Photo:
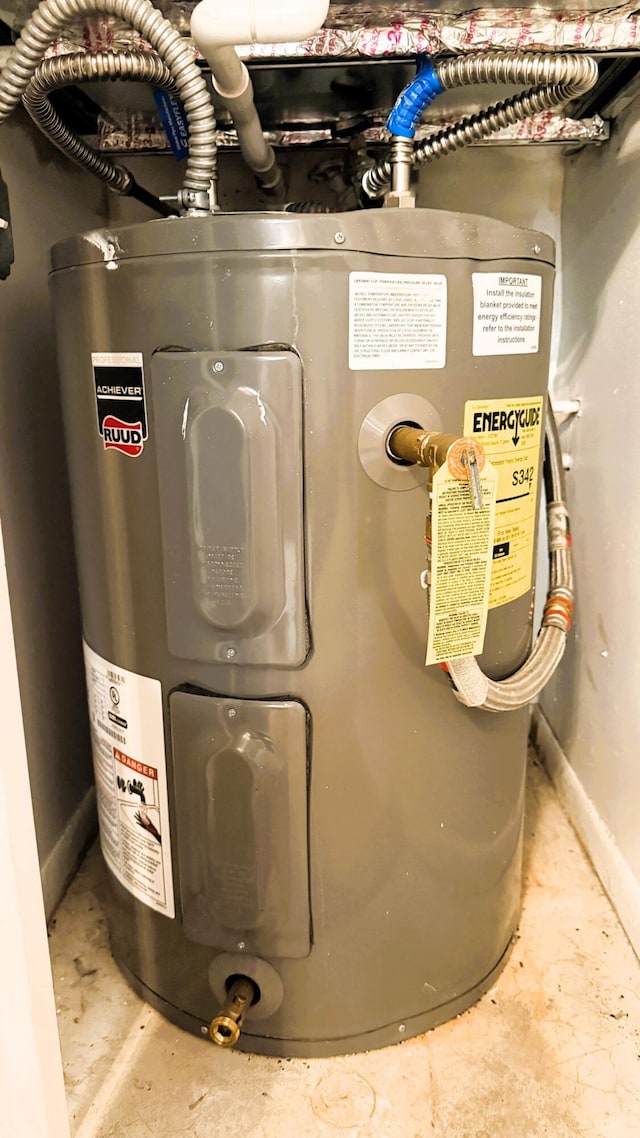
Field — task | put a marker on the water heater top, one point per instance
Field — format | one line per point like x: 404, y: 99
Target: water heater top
x: 400, y: 233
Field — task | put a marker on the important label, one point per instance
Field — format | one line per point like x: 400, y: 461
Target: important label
x: 127, y: 738
x: 462, y: 544
x: 510, y: 432
x: 397, y: 320
x: 120, y: 401
x: 506, y: 313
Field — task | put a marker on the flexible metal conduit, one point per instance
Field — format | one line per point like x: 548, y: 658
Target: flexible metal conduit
x: 51, y: 16
x: 473, y: 687
x: 51, y: 74
x: 556, y: 79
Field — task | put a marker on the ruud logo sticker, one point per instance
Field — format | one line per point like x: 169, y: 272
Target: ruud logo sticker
x: 120, y: 401
x: 126, y: 437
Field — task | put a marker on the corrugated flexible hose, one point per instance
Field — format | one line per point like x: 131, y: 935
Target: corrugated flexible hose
x: 51, y: 74
x: 51, y: 16
x: 473, y: 687
x: 555, y: 79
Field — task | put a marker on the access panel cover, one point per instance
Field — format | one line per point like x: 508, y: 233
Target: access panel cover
x: 240, y: 774
x: 229, y: 447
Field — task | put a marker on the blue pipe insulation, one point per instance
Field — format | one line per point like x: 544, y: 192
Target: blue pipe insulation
x: 416, y: 97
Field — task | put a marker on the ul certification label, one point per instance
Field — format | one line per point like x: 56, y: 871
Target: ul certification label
x: 127, y: 737
x: 462, y: 541
x: 506, y: 314
x: 397, y: 320
x: 510, y: 432
x: 120, y: 401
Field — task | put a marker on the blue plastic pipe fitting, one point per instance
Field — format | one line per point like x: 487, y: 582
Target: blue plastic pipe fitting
x: 413, y: 101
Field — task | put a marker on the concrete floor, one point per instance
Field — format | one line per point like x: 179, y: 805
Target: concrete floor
x: 553, y: 1049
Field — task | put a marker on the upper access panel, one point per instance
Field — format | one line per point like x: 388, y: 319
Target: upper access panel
x: 229, y: 447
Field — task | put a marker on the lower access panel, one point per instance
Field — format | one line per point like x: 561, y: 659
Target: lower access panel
x: 240, y: 774
x: 229, y: 451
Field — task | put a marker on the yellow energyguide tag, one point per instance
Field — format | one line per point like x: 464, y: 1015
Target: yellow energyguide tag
x: 510, y: 432
x: 461, y: 552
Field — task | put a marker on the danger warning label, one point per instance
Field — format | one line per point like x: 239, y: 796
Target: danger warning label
x: 510, y: 432
x: 127, y: 738
x: 133, y: 764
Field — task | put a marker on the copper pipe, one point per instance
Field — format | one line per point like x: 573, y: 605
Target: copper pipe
x: 424, y: 448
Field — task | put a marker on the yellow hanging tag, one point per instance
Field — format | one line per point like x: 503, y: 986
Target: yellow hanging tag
x: 461, y: 558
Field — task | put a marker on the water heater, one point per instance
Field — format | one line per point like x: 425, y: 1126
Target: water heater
x: 288, y: 797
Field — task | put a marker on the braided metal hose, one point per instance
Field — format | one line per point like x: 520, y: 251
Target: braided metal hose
x: 59, y: 72
x: 476, y: 127
x: 577, y: 73
x: 557, y: 79
x: 473, y: 687
x: 51, y: 16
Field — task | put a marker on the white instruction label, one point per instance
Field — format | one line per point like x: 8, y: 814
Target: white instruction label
x: 397, y: 320
x: 127, y: 736
x: 506, y: 313
x: 462, y: 542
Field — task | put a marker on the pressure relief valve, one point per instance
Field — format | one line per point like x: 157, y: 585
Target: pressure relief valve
x: 464, y: 457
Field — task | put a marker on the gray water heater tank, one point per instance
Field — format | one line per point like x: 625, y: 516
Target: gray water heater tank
x: 285, y: 792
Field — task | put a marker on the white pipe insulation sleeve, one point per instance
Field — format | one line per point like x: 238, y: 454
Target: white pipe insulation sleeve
x: 218, y: 23
x: 229, y: 75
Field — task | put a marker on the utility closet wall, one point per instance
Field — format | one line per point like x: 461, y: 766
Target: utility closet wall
x: 519, y: 184
x: 50, y: 199
x: 592, y: 704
